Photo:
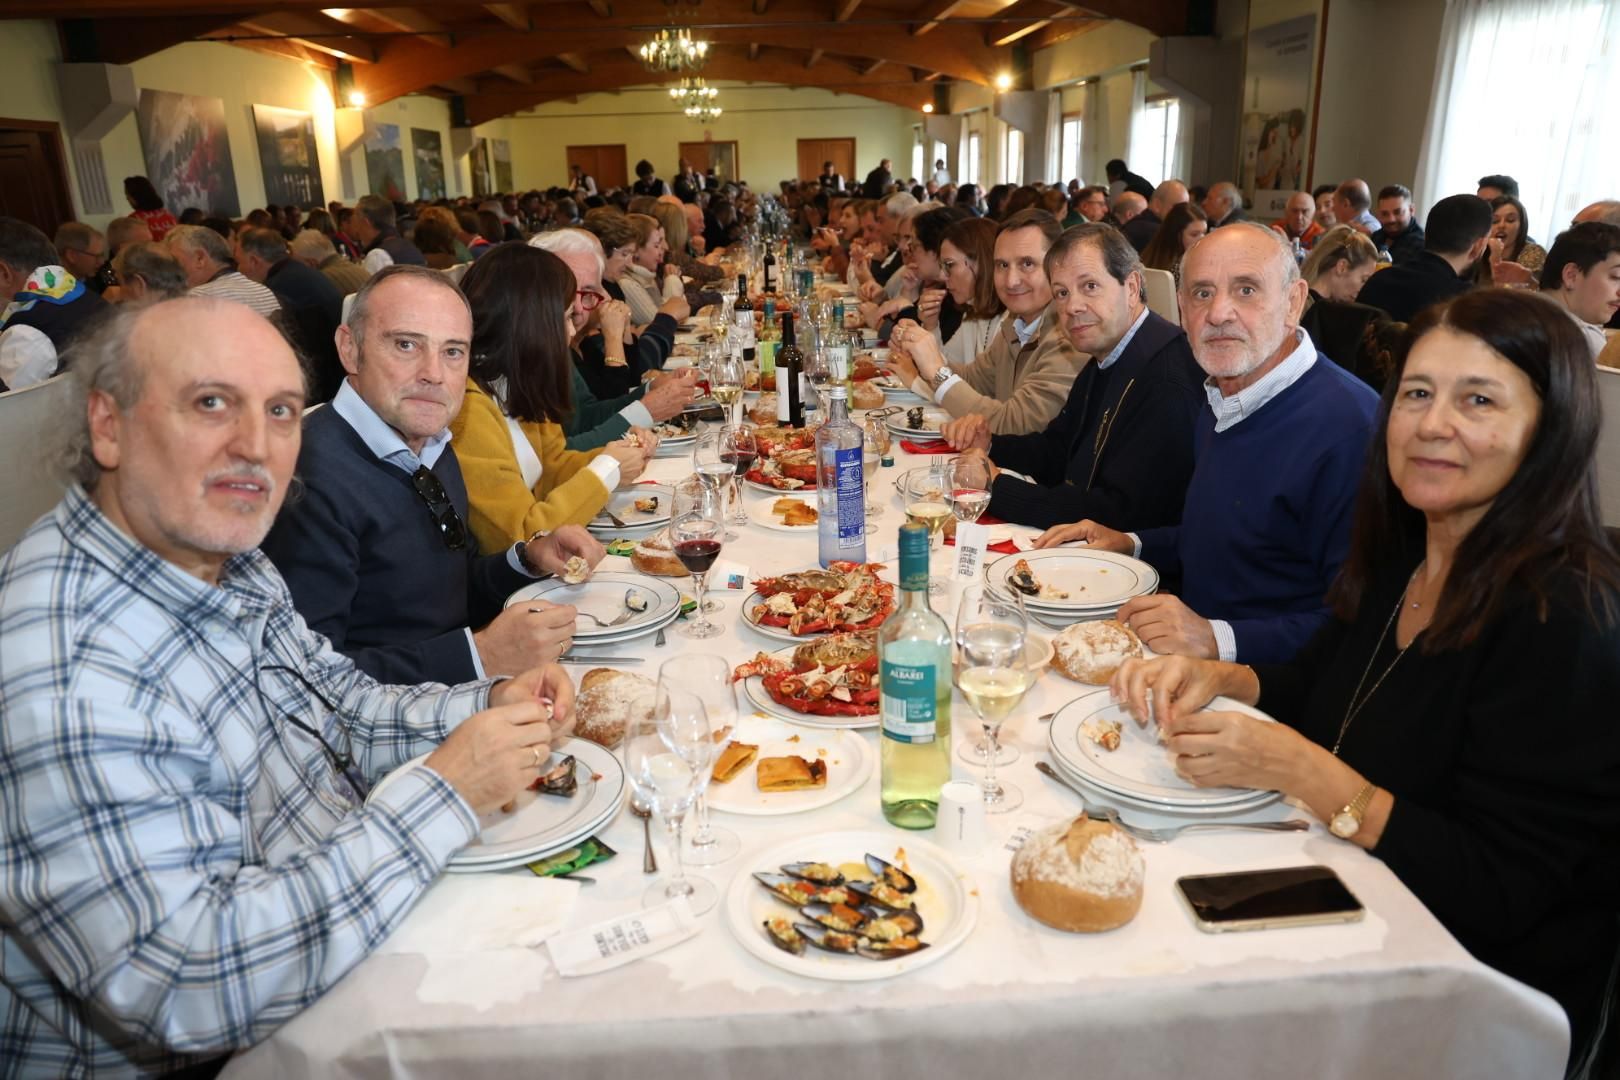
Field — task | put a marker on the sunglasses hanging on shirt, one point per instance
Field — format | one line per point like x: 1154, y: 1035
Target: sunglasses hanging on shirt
x: 431, y: 491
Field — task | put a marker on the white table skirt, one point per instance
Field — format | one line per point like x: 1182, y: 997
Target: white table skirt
x: 1393, y: 996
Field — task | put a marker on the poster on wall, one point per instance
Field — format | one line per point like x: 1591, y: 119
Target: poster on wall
x: 287, y: 158
x: 188, y: 154
x: 385, y: 162
x: 483, y: 182
x: 503, y: 166
x: 1276, y: 112
x: 428, y: 151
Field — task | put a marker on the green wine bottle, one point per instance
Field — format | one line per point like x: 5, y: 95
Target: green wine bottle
x: 914, y: 694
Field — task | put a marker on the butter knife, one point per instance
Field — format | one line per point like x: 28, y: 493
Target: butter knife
x: 570, y: 658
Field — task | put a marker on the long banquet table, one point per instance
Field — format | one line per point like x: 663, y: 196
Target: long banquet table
x: 1391, y: 996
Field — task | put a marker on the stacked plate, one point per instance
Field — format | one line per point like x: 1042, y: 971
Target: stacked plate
x: 625, y: 606
x: 540, y: 826
x: 1141, y: 773
x: 1097, y: 582
x: 622, y: 505
x: 933, y: 420
x: 761, y: 700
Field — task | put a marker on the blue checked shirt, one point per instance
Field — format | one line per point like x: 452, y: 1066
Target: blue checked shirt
x: 181, y: 869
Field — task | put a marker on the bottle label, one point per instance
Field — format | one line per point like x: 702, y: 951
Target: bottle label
x: 838, y: 361
x: 766, y: 351
x: 907, y: 693
x: 851, y: 498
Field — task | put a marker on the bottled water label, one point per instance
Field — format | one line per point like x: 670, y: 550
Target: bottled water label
x: 851, y: 498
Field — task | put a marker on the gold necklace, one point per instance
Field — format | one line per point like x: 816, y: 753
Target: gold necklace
x: 1354, y: 708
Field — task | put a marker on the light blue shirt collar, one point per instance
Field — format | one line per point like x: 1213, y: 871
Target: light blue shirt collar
x: 381, y: 439
x: 1118, y: 350
x: 1027, y: 330
x: 1230, y: 411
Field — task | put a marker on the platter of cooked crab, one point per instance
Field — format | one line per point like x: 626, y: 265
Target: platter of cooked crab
x: 852, y: 906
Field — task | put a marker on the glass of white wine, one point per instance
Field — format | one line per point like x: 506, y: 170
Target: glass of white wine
x: 726, y: 383
x: 969, y: 487
x: 994, y: 675
x: 926, y: 491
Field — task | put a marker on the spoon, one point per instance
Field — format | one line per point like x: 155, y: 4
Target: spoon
x: 649, y: 862
x: 634, y: 604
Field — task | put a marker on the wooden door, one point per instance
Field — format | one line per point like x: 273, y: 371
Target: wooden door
x: 606, y: 164
x: 33, y: 174
x: 719, y: 156
x: 841, y: 152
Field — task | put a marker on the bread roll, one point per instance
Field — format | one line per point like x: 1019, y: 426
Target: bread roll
x: 1083, y: 876
x: 656, y: 555
x: 763, y: 411
x: 866, y: 396
x: 607, y: 701
x: 1090, y: 652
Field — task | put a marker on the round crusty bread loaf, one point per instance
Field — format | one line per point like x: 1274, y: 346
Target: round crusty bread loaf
x: 1083, y: 876
x: 1091, y: 652
x: 866, y: 396
x: 656, y: 555
x: 607, y: 701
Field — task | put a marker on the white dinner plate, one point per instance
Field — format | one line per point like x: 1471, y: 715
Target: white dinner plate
x: 947, y: 898
x: 897, y: 424
x: 623, y: 505
x: 1094, y: 580
x: 602, y: 595
x: 781, y: 633
x: 760, y: 699
x: 1141, y: 768
x: 761, y: 514
x: 540, y: 825
x: 768, y: 490
x: 849, y: 766
x: 1164, y: 813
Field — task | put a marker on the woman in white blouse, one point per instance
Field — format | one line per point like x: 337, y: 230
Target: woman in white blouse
x: 643, y: 290
x: 966, y: 261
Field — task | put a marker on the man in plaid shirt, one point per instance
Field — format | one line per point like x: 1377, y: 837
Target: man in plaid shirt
x: 185, y: 860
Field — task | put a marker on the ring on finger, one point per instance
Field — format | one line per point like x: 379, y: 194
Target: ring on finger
x: 539, y: 759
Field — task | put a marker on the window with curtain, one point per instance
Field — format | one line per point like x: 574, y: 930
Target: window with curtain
x: 1555, y: 134
x: 939, y: 154
x: 1153, y: 149
x: 970, y: 167
x: 917, y: 170
x: 1014, y: 156
x: 1069, y: 153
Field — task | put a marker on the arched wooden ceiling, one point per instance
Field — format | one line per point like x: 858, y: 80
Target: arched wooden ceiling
x: 503, y: 58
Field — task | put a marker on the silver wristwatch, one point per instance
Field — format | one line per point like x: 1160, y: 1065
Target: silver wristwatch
x: 941, y: 376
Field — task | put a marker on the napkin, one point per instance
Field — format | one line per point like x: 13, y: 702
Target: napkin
x: 626, y: 939
x: 940, y: 447
x: 472, y: 913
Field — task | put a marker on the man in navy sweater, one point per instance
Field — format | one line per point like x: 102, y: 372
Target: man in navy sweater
x: 1279, y: 461
x: 375, y: 550
x: 1121, y: 450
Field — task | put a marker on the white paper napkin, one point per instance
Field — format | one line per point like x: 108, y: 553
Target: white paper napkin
x: 472, y: 913
x: 623, y: 940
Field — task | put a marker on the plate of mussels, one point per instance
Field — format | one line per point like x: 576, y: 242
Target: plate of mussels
x: 852, y: 906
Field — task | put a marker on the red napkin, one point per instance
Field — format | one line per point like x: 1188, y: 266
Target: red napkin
x: 940, y: 447
x: 1006, y: 547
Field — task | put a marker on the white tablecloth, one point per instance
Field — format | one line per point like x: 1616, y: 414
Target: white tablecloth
x: 1393, y: 996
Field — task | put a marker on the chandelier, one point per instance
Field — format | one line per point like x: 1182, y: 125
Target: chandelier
x: 693, y: 92
x: 672, y: 51
x: 704, y: 111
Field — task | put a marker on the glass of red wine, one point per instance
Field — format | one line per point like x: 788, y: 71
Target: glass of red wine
x: 739, y: 447
x: 699, y: 534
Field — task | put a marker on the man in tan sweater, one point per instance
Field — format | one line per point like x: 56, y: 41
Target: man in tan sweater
x: 1018, y: 384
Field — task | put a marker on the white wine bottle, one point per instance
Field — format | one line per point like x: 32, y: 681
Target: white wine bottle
x: 914, y: 694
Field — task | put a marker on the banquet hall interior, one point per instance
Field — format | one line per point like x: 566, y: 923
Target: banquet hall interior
x: 730, y: 537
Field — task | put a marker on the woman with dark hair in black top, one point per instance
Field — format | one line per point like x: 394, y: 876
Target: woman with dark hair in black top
x: 1456, y: 719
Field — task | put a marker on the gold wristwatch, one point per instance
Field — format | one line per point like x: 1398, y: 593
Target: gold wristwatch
x: 1347, y: 822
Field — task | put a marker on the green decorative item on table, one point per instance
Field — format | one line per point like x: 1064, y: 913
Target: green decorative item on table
x: 688, y: 605
x: 574, y: 859
x: 622, y: 547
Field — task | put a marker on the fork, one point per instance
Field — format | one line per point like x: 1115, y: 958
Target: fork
x: 1164, y: 836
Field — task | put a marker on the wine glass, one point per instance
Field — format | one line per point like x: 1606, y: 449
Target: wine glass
x: 726, y: 382
x: 969, y: 487
x: 712, y: 467
x: 738, y: 446
x: 871, y: 461
x: 708, y: 676
x: 668, y: 754
x: 925, y: 490
x: 994, y: 675
x: 695, y: 493
x: 698, y: 535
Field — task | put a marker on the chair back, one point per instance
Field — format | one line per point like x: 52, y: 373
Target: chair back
x: 1161, y: 294
x: 30, y: 420
x: 1608, y: 451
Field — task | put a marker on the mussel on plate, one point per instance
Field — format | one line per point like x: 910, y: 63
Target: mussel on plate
x: 837, y: 916
x: 819, y: 872
x: 562, y: 780
x: 835, y: 941
x: 881, y: 925
x: 784, y: 936
x: 882, y: 895
x: 891, y: 875
x: 873, y: 949
x: 797, y: 892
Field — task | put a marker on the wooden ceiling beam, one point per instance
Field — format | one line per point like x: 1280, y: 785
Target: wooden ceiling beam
x: 603, y: 9
x: 873, y: 66
x: 575, y: 61
x: 514, y: 15
x: 516, y: 72
x: 760, y: 6
x: 815, y: 57
x: 1062, y: 31
x: 313, y: 31
x: 403, y: 18
x: 935, y: 13
x: 464, y: 87
x: 283, y: 49
x: 843, y: 9
x: 1023, y: 18
x: 753, y: 50
x: 124, y: 41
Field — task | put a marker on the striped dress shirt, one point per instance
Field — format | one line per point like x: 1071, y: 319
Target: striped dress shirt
x: 182, y: 869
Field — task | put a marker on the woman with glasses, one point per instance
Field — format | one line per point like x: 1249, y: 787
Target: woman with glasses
x: 966, y: 262
x: 521, y: 477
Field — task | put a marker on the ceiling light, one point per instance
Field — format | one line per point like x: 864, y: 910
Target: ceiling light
x: 704, y: 111
x: 928, y: 106
x: 1004, y: 81
x: 357, y: 99
x: 692, y: 92
x: 673, y: 51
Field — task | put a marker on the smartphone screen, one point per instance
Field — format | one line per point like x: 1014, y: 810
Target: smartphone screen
x: 1293, y: 894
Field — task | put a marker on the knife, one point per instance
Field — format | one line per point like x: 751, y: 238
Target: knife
x: 569, y: 658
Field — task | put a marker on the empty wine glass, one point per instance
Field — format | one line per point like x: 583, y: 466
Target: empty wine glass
x: 668, y: 754
x: 738, y: 446
x: 871, y: 461
x: 707, y: 676
x: 993, y: 675
x: 712, y: 467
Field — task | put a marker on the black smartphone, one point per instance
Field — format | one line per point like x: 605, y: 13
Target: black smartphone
x: 1262, y: 899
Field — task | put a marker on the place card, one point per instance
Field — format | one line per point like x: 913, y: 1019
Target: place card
x: 971, y: 542
x: 624, y: 940
x: 725, y: 574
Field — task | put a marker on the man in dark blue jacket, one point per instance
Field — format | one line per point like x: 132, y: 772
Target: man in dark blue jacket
x: 311, y: 304
x: 375, y: 550
x: 1279, y: 459
x: 1121, y: 450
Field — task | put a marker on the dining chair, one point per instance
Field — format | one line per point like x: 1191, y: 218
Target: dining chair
x: 30, y: 422
x: 1161, y: 294
x: 1608, y: 451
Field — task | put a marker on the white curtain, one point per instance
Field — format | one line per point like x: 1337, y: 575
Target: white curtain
x: 1527, y: 88
x: 1138, y: 104
x: 1053, y: 170
x: 1091, y: 158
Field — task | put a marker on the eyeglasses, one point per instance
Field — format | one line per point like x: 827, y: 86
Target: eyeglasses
x: 342, y: 763
x: 589, y: 300
x: 432, y: 492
